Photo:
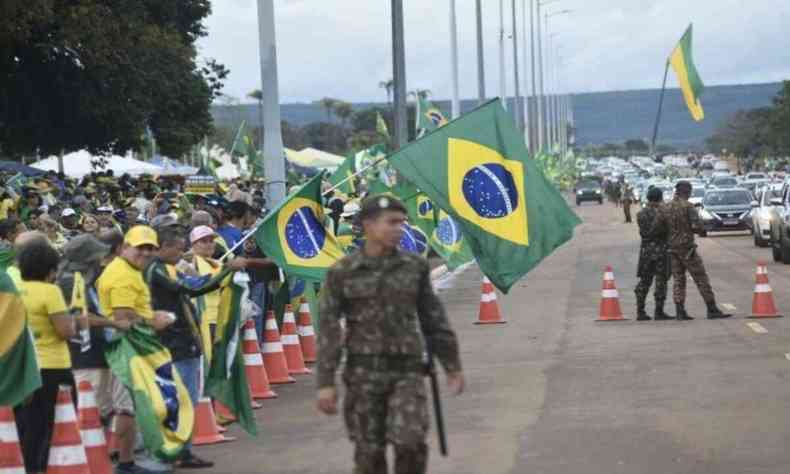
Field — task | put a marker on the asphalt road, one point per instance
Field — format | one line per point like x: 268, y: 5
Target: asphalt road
x: 554, y: 392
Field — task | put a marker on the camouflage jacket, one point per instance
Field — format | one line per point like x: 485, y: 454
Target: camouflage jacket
x: 654, y: 230
x: 383, y: 300
x: 684, y: 222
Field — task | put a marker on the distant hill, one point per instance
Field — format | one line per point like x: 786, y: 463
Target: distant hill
x: 601, y: 117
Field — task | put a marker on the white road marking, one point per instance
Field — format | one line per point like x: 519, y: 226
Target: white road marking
x: 729, y: 307
x: 757, y: 327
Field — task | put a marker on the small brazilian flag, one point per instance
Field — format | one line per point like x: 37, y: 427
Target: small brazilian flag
x: 18, y: 363
x: 429, y: 117
x: 690, y: 83
x: 164, y: 411
x: 294, y: 236
x: 478, y: 170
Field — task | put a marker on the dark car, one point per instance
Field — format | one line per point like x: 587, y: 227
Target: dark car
x: 589, y: 191
x: 726, y: 210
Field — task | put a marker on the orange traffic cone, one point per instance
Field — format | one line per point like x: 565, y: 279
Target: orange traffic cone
x: 66, y: 452
x: 306, y: 333
x: 291, y: 346
x: 763, y: 301
x: 489, y: 309
x: 253, y: 364
x: 206, y: 430
x: 609, y: 309
x: 273, y: 355
x: 10, y: 453
x: 91, y: 430
x: 223, y: 414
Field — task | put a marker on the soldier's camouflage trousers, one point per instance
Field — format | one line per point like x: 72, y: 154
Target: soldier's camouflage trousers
x: 682, y: 262
x: 381, y: 407
x: 651, y: 271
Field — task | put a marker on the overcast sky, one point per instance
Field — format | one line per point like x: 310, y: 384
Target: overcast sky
x: 342, y: 48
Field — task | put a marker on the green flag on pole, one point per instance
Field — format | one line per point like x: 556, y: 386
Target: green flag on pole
x: 342, y: 179
x: 478, y: 170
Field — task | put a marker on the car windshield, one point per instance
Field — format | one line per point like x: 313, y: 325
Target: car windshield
x: 727, y: 198
x: 698, y: 192
x: 756, y: 176
x: 725, y: 182
x: 588, y: 185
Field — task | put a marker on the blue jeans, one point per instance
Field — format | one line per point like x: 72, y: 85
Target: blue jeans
x: 189, y: 370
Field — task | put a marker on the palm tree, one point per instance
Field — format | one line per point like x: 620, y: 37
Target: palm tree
x: 343, y: 111
x: 388, y: 86
x: 420, y: 93
x: 257, y: 94
x: 329, y: 104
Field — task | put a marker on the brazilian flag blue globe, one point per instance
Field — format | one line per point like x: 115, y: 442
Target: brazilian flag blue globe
x: 478, y: 170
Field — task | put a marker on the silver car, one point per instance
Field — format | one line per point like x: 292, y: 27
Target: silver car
x: 766, y: 198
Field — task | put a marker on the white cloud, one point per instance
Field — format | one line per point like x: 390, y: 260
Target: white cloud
x: 342, y: 48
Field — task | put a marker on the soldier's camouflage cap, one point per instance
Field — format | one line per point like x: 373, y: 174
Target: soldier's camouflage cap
x: 372, y: 206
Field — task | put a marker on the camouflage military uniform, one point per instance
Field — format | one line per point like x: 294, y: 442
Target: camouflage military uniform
x: 684, y: 222
x: 653, y: 255
x: 383, y: 300
x: 627, y: 197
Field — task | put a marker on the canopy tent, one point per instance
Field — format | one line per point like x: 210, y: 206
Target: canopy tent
x: 15, y: 167
x: 313, y: 158
x: 172, y: 167
x: 80, y: 163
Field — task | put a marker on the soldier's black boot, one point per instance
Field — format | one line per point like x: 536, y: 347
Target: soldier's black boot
x: 715, y: 313
x: 682, y: 315
x: 660, y: 315
x: 641, y: 314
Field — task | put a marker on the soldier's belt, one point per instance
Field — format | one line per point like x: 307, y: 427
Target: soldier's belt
x: 386, y: 363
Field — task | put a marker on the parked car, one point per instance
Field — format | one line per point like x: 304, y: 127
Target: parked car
x: 589, y: 191
x: 726, y: 210
x: 762, y: 216
x: 780, y: 220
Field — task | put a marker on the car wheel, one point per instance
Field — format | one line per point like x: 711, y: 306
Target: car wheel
x: 758, y: 242
x: 784, y: 251
x: 600, y: 202
x: 776, y: 254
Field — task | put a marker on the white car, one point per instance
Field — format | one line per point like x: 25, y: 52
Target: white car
x: 763, y: 213
x: 697, y: 195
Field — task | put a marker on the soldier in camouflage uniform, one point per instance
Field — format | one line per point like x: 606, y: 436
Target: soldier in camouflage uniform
x: 653, y: 256
x: 627, y: 193
x: 684, y: 222
x: 384, y: 295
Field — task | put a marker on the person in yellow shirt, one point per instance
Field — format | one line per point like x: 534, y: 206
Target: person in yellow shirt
x: 203, y: 240
x: 7, y: 204
x: 124, y: 296
x: 52, y: 326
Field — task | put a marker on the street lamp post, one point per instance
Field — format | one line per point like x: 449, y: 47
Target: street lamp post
x: 399, y: 74
x: 456, y: 102
x: 551, y: 105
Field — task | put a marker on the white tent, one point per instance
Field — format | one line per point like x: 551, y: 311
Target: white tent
x: 81, y: 163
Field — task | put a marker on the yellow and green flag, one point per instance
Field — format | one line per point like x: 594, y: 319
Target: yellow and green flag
x: 18, y: 363
x: 164, y: 411
x: 342, y: 179
x: 682, y: 62
x: 294, y: 236
x: 478, y: 170
x: 428, y: 117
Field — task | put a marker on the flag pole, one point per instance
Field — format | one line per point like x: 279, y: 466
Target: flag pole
x: 658, y: 115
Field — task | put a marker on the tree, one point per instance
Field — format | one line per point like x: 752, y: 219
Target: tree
x: 637, y: 145
x: 328, y: 104
x: 327, y: 137
x: 343, y: 111
x: 745, y: 133
x: 94, y: 74
x: 779, y: 122
x: 388, y: 86
x: 420, y: 93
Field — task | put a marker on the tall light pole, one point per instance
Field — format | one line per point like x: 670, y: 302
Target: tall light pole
x: 550, y: 105
x: 398, y: 74
x: 502, y: 78
x: 537, y: 142
x: 273, y: 152
x: 456, y: 103
x: 517, y: 115
x: 527, y: 113
x: 481, y: 74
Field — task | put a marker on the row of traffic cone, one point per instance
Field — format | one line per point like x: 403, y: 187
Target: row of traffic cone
x: 763, y: 305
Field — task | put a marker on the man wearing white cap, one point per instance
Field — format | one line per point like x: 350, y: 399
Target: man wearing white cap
x: 71, y: 222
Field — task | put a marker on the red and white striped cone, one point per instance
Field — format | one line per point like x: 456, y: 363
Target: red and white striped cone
x: 609, y: 309
x: 763, y: 301
x: 291, y: 346
x: 489, y: 309
x: 91, y: 430
x: 11, y: 461
x: 206, y: 430
x: 307, y: 333
x: 66, y: 452
x: 257, y: 378
x: 273, y: 355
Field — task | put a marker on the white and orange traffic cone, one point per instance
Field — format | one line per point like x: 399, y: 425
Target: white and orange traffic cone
x: 11, y: 461
x: 222, y: 414
x: 206, y: 430
x: 66, y: 452
x: 273, y: 355
x: 489, y: 309
x: 763, y: 301
x: 306, y: 333
x: 91, y: 430
x: 291, y: 345
x: 257, y: 378
x: 609, y: 309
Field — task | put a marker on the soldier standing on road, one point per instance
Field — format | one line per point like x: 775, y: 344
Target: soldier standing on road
x: 627, y: 196
x: 653, y: 256
x: 384, y: 294
x: 684, y: 222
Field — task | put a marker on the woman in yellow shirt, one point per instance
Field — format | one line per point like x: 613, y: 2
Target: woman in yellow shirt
x: 52, y: 326
x: 203, y: 247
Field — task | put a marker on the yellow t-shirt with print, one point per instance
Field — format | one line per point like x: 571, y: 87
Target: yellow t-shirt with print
x: 122, y: 286
x: 41, y: 301
x: 5, y: 206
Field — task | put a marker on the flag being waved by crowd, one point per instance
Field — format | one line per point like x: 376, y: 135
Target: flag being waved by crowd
x: 691, y: 84
x: 478, y: 170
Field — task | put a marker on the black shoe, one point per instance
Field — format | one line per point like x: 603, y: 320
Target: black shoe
x: 643, y: 317
x: 715, y: 313
x: 660, y: 315
x: 681, y: 313
x: 190, y: 461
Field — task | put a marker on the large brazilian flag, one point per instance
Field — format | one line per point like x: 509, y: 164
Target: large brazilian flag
x: 682, y: 62
x: 293, y: 235
x: 478, y: 170
x: 163, y: 408
x: 227, y: 379
x: 18, y: 363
